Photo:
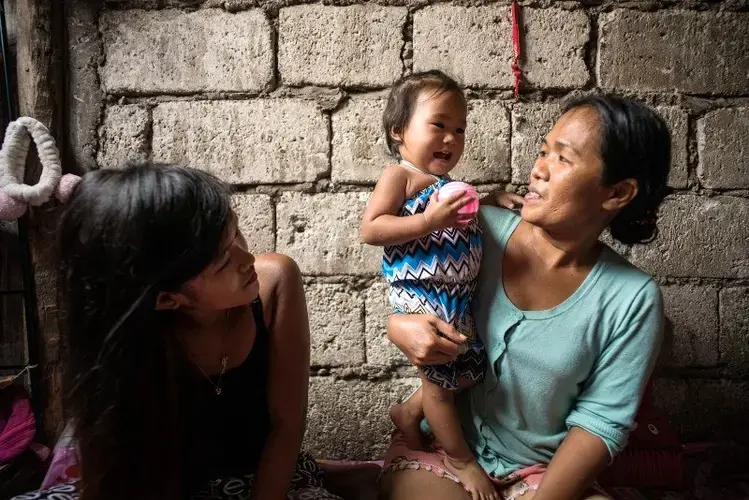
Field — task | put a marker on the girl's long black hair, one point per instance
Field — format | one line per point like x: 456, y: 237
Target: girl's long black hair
x: 125, y: 236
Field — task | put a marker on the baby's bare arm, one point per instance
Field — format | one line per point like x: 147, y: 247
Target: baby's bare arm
x: 381, y: 225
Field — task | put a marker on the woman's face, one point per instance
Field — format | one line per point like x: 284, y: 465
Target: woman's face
x: 230, y: 280
x: 565, y: 192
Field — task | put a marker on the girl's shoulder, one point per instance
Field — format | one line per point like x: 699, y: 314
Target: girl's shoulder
x: 411, y: 182
x: 394, y: 173
x: 278, y: 274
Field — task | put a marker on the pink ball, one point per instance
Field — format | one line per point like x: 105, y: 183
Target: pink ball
x: 455, y: 187
x: 65, y: 186
x: 10, y: 208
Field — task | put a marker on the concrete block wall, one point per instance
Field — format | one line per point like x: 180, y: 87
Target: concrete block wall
x: 283, y: 99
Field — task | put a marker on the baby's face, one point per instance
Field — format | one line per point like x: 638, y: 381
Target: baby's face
x: 434, y: 137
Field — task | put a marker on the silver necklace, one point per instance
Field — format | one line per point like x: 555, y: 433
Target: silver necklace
x: 224, y: 362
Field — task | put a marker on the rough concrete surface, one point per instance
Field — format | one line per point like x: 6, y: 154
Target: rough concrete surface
x: 336, y: 316
x: 692, y: 339
x: 723, y: 151
x: 666, y: 51
x: 174, y: 52
x: 123, y: 137
x: 355, y: 46
x: 224, y: 138
x: 349, y: 418
x: 321, y: 232
x: 699, y: 237
x: 734, y: 329
x: 255, y: 221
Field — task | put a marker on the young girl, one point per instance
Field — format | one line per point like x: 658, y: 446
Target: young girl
x: 188, y: 356
x: 432, y: 253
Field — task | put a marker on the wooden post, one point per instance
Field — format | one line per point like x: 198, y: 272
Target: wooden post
x: 40, y: 56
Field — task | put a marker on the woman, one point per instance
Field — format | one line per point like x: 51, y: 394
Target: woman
x: 188, y: 355
x: 572, y: 330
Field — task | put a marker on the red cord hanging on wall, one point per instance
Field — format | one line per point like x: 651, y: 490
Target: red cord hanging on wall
x: 517, y: 73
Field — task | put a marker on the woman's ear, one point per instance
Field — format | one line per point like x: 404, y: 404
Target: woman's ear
x: 622, y: 193
x: 168, y: 301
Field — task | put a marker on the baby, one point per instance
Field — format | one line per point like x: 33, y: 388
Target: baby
x: 432, y: 253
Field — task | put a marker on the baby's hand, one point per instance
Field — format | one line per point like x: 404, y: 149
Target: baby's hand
x: 502, y: 198
x: 443, y: 213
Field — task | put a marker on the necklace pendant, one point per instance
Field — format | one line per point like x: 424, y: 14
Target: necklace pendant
x: 218, y: 391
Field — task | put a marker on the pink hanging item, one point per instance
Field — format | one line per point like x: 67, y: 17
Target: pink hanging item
x: 17, y: 423
x: 517, y: 73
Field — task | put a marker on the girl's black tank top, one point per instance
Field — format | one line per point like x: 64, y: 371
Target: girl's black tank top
x: 224, y: 434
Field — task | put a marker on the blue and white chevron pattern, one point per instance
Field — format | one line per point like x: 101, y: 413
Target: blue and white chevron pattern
x: 435, y: 274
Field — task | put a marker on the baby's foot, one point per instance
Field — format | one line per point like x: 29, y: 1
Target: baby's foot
x: 473, y: 477
x: 408, y: 422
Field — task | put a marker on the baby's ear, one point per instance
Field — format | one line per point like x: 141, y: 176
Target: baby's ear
x: 396, y: 134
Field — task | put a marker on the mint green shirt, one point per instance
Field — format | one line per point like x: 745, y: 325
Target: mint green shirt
x: 583, y: 363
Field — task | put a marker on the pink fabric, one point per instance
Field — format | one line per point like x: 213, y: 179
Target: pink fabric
x: 65, y: 467
x: 17, y: 423
x: 401, y: 457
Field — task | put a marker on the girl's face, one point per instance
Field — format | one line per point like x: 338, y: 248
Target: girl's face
x: 565, y: 192
x: 434, y: 137
x: 230, y: 280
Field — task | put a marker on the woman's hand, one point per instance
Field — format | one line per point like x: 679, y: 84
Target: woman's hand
x: 502, y: 198
x: 424, y: 339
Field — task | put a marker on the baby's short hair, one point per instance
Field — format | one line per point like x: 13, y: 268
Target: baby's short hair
x: 402, y: 101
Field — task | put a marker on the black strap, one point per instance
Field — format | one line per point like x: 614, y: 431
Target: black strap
x: 257, y: 313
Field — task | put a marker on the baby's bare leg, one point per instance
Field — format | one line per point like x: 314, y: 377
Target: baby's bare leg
x: 440, y: 412
x: 407, y: 418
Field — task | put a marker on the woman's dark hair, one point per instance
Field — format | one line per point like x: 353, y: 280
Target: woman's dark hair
x: 125, y: 236
x: 402, y: 101
x: 635, y: 143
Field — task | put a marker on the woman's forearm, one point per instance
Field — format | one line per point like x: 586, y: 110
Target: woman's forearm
x: 574, y: 467
x: 277, y: 464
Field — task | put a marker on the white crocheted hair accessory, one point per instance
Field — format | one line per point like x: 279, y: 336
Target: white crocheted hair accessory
x: 15, y: 196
